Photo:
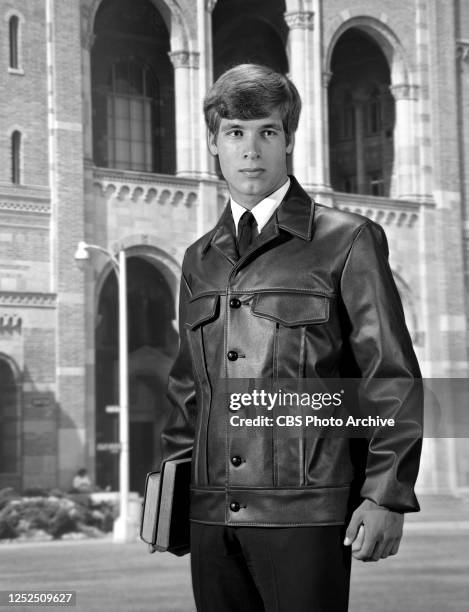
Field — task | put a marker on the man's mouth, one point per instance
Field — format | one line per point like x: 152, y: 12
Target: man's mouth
x: 252, y: 172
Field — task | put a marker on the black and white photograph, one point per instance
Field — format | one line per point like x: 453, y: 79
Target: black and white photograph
x: 234, y: 305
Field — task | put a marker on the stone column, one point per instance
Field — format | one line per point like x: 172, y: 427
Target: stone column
x: 321, y: 80
x: 186, y: 64
x: 205, y: 162
x: 300, y: 51
x: 406, y: 174
x: 423, y: 111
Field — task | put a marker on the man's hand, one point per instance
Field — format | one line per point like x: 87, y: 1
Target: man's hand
x: 374, y: 532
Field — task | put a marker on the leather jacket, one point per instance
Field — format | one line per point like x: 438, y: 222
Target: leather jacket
x: 313, y: 297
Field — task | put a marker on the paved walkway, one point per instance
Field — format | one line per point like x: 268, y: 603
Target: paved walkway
x: 430, y: 574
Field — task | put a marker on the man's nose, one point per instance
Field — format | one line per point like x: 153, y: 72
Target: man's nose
x: 251, y: 149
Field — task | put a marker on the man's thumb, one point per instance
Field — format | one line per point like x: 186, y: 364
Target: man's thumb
x: 352, y: 528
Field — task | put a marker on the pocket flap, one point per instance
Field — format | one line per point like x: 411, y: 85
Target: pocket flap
x: 201, y: 309
x: 292, y: 309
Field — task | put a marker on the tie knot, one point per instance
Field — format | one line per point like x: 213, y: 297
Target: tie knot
x: 247, y: 219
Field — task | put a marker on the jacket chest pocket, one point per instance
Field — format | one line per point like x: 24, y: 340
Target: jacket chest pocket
x: 291, y: 309
x: 297, y: 318
x: 201, y: 310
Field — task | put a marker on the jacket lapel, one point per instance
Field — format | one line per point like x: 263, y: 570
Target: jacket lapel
x: 223, y: 237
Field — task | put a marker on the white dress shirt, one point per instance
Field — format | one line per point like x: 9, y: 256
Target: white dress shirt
x: 263, y: 210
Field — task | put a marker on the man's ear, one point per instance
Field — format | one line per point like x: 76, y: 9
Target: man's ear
x: 291, y: 144
x: 212, y: 143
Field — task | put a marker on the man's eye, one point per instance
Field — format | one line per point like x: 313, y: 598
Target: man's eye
x: 236, y: 133
x: 270, y: 133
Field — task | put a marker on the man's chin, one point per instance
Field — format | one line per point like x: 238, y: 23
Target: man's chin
x: 250, y: 188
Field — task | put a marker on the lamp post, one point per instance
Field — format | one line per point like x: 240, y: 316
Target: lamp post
x: 122, y: 527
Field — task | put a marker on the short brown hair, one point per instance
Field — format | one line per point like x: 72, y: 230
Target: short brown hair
x: 252, y: 91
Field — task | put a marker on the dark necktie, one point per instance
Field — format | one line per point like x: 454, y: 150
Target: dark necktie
x: 247, y: 231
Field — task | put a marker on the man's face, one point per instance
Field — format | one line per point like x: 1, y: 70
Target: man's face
x: 252, y: 156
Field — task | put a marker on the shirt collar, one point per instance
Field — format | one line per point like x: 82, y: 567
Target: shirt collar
x: 295, y: 215
x: 263, y: 210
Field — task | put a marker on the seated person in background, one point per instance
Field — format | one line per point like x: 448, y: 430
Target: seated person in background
x: 81, y: 482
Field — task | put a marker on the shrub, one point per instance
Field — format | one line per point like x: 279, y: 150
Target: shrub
x: 6, y: 495
x: 35, y: 492
x: 54, y: 514
x: 9, y: 520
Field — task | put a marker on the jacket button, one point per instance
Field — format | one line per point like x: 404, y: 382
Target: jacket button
x: 234, y: 507
x: 236, y: 460
x: 235, y: 303
x: 232, y: 355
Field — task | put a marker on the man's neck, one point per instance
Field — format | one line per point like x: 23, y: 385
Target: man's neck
x: 263, y: 209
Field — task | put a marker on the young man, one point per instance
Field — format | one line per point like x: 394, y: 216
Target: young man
x: 283, y: 288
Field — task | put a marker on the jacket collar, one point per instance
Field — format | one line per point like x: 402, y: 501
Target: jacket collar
x: 295, y: 215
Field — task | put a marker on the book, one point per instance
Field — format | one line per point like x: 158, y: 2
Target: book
x: 165, y: 522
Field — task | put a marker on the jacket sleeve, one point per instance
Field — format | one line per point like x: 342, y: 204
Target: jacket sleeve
x: 390, y: 384
x: 177, y: 437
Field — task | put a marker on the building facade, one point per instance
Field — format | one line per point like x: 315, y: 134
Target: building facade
x: 103, y: 140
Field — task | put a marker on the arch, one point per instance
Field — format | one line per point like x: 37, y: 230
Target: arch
x: 153, y: 342
x: 147, y: 247
x: 384, y: 37
x: 172, y: 14
x: 271, y: 49
x: 13, y: 366
x: 362, y: 116
x: 255, y: 35
x: 10, y: 403
x: 14, y: 13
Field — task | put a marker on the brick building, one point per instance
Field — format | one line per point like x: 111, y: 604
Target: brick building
x: 102, y: 139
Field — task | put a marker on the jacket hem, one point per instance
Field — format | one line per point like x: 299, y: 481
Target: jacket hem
x: 263, y: 507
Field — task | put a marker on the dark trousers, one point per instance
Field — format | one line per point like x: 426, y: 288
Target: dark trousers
x: 265, y: 569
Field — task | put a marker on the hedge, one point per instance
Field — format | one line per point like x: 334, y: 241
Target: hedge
x: 54, y: 513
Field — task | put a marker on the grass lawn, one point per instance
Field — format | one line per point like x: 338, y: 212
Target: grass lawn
x: 430, y: 574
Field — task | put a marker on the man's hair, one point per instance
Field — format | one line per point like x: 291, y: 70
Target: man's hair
x: 252, y: 91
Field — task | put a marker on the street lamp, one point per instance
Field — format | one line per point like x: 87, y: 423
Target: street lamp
x: 122, y: 526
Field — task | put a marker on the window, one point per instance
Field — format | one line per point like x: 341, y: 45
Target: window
x: 15, y: 157
x: 350, y: 184
x: 13, y: 32
x: 348, y: 131
x: 348, y: 118
x: 374, y: 113
x: 376, y: 184
x: 131, y: 108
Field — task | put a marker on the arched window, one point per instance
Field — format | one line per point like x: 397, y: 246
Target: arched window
x: 361, y: 109
x: 16, y: 157
x: 133, y: 88
x: 13, y: 33
x: 132, y: 106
